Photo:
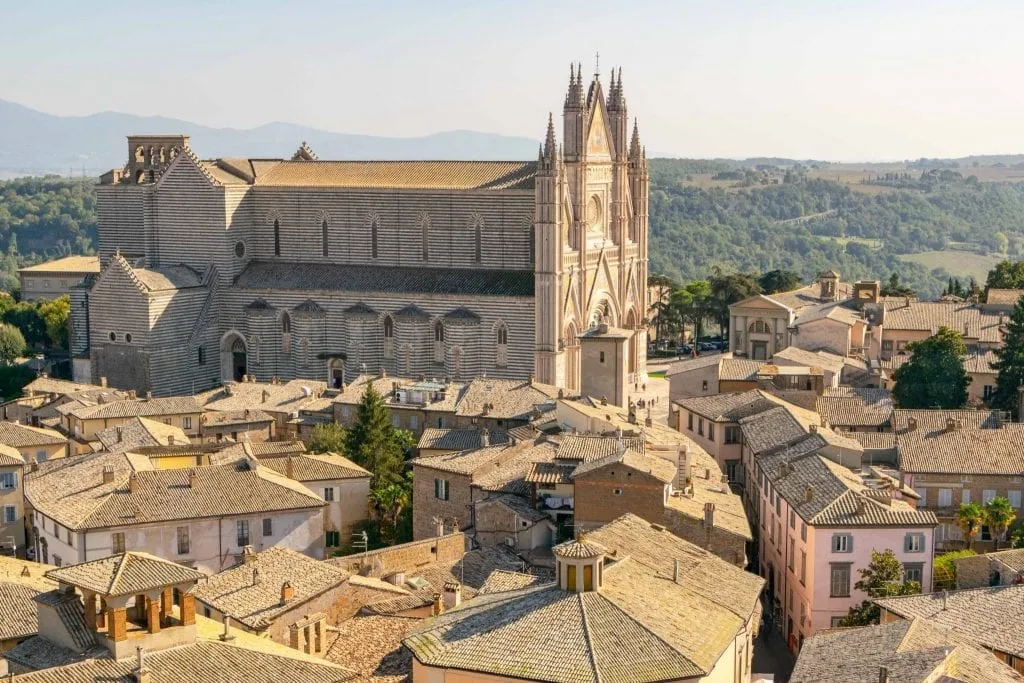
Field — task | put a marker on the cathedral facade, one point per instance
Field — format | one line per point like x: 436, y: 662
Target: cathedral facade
x: 212, y: 270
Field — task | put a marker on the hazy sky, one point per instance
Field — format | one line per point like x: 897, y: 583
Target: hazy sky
x: 823, y: 79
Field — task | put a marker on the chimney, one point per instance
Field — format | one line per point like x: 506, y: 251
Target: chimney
x: 248, y: 554
x: 648, y: 421
x: 141, y: 673
x: 813, y: 428
x: 193, y: 476
x: 226, y: 636
x: 103, y: 382
x: 862, y: 506
x: 170, y: 439
x: 709, y: 515
x: 255, y: 576
x: 945, y: 598
x: 911, y: 424
x: 149, y: 395
x: 675, y: 571
x: 532, y: 380
x: 604, y: 400
x: 266, y: 395
x: 809, y: 493
x: 883, y: 674
x: 485, y: 438
x: 229, y: 390
x: 287, y: 593
x: 438, y: 607
x: 707, y: 473
x: 965, y: 330
x: 131, y: 394
x: 950, y: 424
x: 289, y: 467
x: 120, y: 435
x: 133, y: 483
x: 108, y: 474
x: 383, y: 373
x: 452, y: 594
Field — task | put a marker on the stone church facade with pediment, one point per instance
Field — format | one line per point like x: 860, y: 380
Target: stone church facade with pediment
x: 300, y: 268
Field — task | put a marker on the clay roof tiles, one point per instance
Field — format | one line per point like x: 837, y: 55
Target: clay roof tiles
x: 442, y: 175
x: 129, y: 573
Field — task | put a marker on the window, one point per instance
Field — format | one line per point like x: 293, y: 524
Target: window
x: 128, y: 338
x: 389, y: 337
x: 186, y: 422
x: 425, y: 237
x: 441, y: 489
x: 201, y: 356
x: 329, y: 494
x: 803, y: 532
x: 414, y: 422
x: 689, y: 421
x: 923, y: 492
x: 268, y: 527
x: 840, y: 584
x: 836, y: 622
x: 1014, y: 497
x: 602, y: 357
x: 792, y: 519
x: 184, y: 545
x: 700, y: 426
x: 10, y: 514
x: 333, y: 539
x: 239, y: 249
x: 759, y: 327
x: 41, y: 456
x: 913, y: 543
x: 791, y: 554
x: 396, y: 420
x: 242, y: 529
x: 965, y: 496
x: 323, y: 237
x: 277, y: 237
x: 616, y: 492
x: 732, y: 435
x: 8, y: 480
x: 778, y: 535
x: 117, y: 542
x: 704, y: 385
x: 987, y: 391
x: 112, y: 336
x: 438, y: 331
x: 803, y: 567
x: 887, y: 346
x: 501, y: 352
x: 286, y: 323
x: 373, y: 239
x: 913, y: 571
x: 478, y: 242
x: 987, y: 495
x: 842, y: 543
x: 711, y: 431
x: 945, y: 498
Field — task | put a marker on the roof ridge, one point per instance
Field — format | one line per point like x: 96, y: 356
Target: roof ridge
x: 592, y: 658
x: 117, y: 573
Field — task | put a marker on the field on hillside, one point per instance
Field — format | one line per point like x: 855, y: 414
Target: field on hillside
x: 964, y: 264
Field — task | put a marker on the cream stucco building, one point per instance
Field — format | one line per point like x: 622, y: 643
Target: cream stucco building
x: 213, y: 270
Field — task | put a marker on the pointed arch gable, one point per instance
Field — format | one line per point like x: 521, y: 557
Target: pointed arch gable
x: 186, y: 165
x: 604, y: 280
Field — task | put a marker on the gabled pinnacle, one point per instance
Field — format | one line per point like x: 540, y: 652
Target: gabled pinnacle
x: 634, y: 144
x: 574, y: 96
x: 550, y: 148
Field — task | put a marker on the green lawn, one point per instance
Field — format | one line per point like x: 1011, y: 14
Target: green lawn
x: 964, y: 264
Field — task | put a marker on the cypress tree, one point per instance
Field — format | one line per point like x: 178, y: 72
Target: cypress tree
x: 1010, y: 366
x: 374, y: 443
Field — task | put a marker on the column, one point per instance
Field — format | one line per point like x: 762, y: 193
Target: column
x: 166, y: 606
x: 117, y: 618
x: 188, y: 609
x: 90, y: 611
x: 153, y: 615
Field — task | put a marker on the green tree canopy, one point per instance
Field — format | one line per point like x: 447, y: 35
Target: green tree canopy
x: 1009, y: 365
x: 727, y: 289
x: 54, y: 314
x: 693, y: 303
x: 894, y: 288
x: 12, y: 343
x: 970, y: 517
x: 882, y: 578
x: 934, y: 377
x: 1006, y: 275
x: 779, y: 281
x: 328, y: 438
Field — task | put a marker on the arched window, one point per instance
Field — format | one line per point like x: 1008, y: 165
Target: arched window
x: 286, y: 323
x: 439, y: 331
x: 277, y: 237
x: 533, y: 244
x: 201, y: 356
x: 439, y: 343
x: 373, y: 239
x: 501, y: 349
x: 478, y: 239
x: 425, y: 236
x: 502, y: 334
x: 389, y: 337
x: 323, y: 236
x: 759, y: 327
x: 304, y: 352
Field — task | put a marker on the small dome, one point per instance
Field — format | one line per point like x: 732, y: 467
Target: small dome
x: 579, y: 549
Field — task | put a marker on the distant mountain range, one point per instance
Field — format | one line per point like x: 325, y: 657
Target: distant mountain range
x: 34, y: 143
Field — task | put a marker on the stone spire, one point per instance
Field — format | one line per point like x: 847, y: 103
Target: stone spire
x: 550, y: 148
x: 634, y: 144
x: 616, y: 97
x: 574, y: 96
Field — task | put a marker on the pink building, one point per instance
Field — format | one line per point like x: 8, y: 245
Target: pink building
x: 818, y: 523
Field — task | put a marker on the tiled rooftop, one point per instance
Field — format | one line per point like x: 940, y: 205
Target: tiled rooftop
x: 129, y: 573
x: 23, y: 436
x: 435, y: 438
x: 855, y: 407
x: 965, y: 318
x: 976, y: 443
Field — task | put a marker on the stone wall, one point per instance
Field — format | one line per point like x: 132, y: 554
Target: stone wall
x: 426, y: 506
x: 728, y: 546
x: 597, y: 503
x: 407, y: 556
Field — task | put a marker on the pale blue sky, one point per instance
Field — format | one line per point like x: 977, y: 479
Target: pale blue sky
x: 819, y: 79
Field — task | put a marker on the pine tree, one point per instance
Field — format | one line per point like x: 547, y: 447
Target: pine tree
x: 374, y: 443
x: 1010, y: 364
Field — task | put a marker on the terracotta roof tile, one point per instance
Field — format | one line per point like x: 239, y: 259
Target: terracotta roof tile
x: 446, y: 175
x: 129, y: 573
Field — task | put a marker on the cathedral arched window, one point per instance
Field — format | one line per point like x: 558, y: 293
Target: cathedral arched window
x: 425, y: 236
x: 277, y: 237
x: 439, y: 331
x: 501, y: 347
x: 389, y: 337
x: 502, y: 335
x: 286, y: 323
x: 373, y: 239
x: 478, y: 241
x: 439, y: 343
x: 323, y: 237
x: 759, y: 327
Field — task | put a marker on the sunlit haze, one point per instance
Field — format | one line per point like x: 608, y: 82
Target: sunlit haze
x: 803, y: 79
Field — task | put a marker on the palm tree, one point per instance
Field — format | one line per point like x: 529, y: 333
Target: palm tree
x: 999, y: 515
x: 388, y: 502
x: 969, y: 518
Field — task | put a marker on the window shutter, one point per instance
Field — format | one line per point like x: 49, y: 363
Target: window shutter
x: 849, y: 543
x: 907, y: 542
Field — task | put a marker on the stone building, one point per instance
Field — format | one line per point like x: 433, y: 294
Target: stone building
x: 55, y: 278
x: 213, y: 270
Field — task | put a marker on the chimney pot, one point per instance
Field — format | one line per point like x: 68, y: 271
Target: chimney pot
x: 452, y: 594
x: 438, y: 607
x: 192, y: 478
x: 141, y: 673
x: 709, y: 515
x: 911, y: 423
x: 170, y: 439
x: 883, y: 674
x: 108, y: 474
x: 133, y: 483
x: 227, y: 629
x: 287, y: 593
x: 120, y: 434
x: 809, y: 493
x: 485, y: 438
x: 103, y: 382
